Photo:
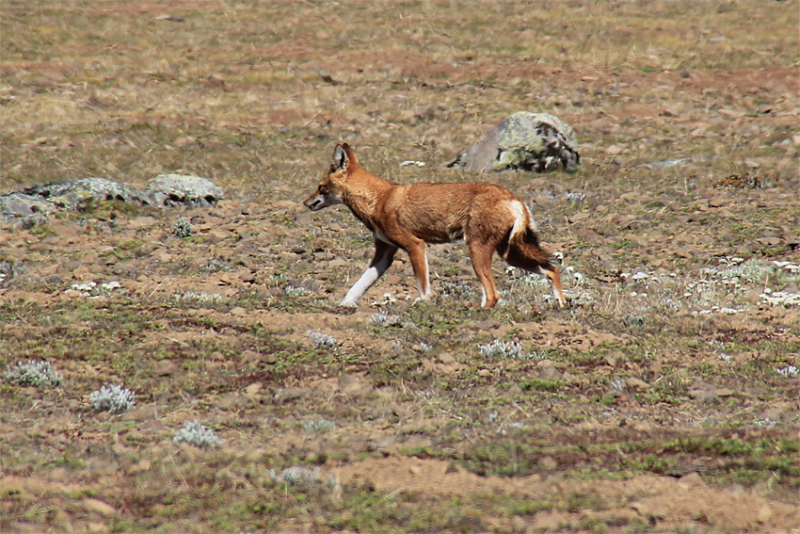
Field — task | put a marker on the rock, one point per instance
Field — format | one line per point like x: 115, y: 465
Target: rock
x: 488, y: 324
x: 96, y: 505
x: 548, y: 463
x: 666, y: 163
x: 354, y: 384
x: 153, y: 427
x: 764, y: 513
x: 518, y: 524
x: 250, y: 358
x: 171, y: 190
x: 234, y: 401
x: 446, y: 357
x: 20, y: 205
x: 717, y: 201
x: 283, y: 396
x: 537, y: 142
x: 637, y: 383
x: 166, y: 368
x: 80, y: 193
x: 550, y: 373
x: 653, y: 511
x: 141, y: 413
x: 142, y: 466
x: 702, y: 395
x: 691, y: 480
x: 551, y: 521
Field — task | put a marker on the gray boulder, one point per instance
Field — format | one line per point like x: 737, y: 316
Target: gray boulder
x: 81, y: 192
x: 19, y: 205
x: 177, y: 189
x: 537, y: 142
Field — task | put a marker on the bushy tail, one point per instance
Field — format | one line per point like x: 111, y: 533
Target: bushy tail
x: 523, y: 232
x: 524, y: 251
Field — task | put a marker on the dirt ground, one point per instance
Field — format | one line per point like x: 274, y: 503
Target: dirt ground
x: 662, y: 399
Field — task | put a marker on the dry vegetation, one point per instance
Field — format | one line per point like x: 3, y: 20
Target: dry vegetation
x: 663, y: 399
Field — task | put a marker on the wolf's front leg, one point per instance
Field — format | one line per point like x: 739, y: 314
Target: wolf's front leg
x: 418, y: 254
x: 384, y: 255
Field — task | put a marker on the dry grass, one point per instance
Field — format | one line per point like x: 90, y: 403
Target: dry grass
x: 640, y: 381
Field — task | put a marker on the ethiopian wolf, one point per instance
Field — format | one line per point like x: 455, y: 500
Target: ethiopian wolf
x: 489, y: 217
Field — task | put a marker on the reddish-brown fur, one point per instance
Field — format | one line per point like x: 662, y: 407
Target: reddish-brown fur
x: 489, y: 217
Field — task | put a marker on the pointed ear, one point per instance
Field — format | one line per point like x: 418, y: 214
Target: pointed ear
x: 339, y: 158
x: 351, y: 155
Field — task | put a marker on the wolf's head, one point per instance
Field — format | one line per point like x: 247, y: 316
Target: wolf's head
x: 329, y: 191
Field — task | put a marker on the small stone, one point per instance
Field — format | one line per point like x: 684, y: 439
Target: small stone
x: 737, y: 489
x: 141, y: 466
x: 153, y: 427
x: 638, y: 507
x: 702, y: 395
x: 141, y: 413
x: 250, y: 358
x: 353, y: 384
x: 446, y: 357
x: 282, y: 396
x: 549, y: 463
x: 550, y: 373
x: 233, y: 401
x: 691, y: 480
x: 166, y: 368
x: 637, y: 383
x: 253, y: 388
x: 484, y: 373
x: 246, y: 276
x: 98, y: 506
x: 488, y: 324
x: 58, y: 474
x: 764, y: 513
x: 716, y: 202
x: 518, y: 524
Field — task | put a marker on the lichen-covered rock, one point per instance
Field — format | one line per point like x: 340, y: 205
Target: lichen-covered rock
x: 537, y: 142
x: 19, y: 205
x: 177, y: 189
x: 79, y: 193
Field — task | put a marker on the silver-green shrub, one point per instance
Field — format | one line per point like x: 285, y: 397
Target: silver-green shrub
x: 182, y: 227
x: 296, y: 476
x: 197, y: 435
x: 112, y: 399
x: 501, y: 349
x: 292, y: 291
x: 322, y: 425
x: 38, y: 374
x: 384, y: 319
x: 322, y: 341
